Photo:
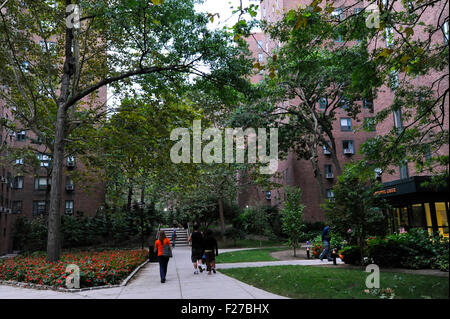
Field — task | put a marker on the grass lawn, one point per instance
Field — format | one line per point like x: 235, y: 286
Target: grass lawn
x: 315, y: 282
x: 250, y: 255
x: 249, y: 243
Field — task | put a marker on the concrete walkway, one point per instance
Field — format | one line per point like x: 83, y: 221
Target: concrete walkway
x: 181, y: 283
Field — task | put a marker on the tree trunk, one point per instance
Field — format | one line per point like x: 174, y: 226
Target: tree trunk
x: 54, y: 214
x: 222, y: 218
x: 130, y: 198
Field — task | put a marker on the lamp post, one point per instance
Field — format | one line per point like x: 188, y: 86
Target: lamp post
x: 307, y: 250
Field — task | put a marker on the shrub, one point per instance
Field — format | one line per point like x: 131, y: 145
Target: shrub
x: 352, y: 255
x: 415, y: 249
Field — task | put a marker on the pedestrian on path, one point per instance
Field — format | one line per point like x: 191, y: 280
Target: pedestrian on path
x: 197, y: 249
x: 326, y: 239
x: 163, y: 260
x: 211, y: 251
x: 174, y: 236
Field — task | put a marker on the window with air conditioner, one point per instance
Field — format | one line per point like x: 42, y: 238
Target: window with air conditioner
x: 348, y: 147
x: 328, y: 171
x: 326, y: 149
x: 69, y: 207
x: 346, y: 124
x: 70, y: 161
x: 69, y: 184
x: 330, y: 194
x: 44, y: 159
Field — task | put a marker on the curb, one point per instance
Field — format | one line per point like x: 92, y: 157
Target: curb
x: 44, y: 287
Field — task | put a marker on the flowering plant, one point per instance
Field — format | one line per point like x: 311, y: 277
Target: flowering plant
x: 96, y: 268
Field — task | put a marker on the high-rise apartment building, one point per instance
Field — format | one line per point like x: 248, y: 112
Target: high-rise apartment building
x: 413, y: 205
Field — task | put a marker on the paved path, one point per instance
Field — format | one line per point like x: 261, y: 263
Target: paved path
x: 181, y: 283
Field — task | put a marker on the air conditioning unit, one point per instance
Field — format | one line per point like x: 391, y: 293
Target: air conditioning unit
x: 329, y: 175
x: 69, y: 187
x: 326, y: 151
x: 8, y: 210
x: 348, y: 151
x: 69, y: 211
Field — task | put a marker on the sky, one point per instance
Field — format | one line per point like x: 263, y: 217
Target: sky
x: 223, y: 8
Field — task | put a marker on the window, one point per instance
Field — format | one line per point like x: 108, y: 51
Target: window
x: 41, y: 183
x: 39, y: 207
x: 445, y: 31
x: 398, y: 122
x: 286, y: 176
x: 330, y: 194
x: 18, y: 182
x: 260, y: 57
x: 328, y: 171
x: 348, y: 147
x: 343, y: 102
x: 404, y: 173
x: 19, y: 161
x: 385, y: 3
x: 70, y: 161
x: 323, y: 102
x: 69, y: 207
x: 346, y: 124
x: 69, y: 184
x: 260, y: 44
x: 378, y: 173
x: 326, y: 149
x: 268, y: 195
x: 357, y: 10
x: 410, y: 6
x: 21, y: 136
x: 337, y: 14
x: 45, y: 159
x: 368, y: 104
x: 17, y: 207
x: 389, y: 35
x: 51, y: 45
x: 369, y: 124
x: 393, y: 80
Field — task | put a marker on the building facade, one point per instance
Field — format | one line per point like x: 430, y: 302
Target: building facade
x: 413, y: 205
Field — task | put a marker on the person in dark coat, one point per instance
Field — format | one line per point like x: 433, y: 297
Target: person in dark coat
x: 211, y: 251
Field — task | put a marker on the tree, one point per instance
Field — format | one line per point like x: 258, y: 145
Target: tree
x: 410, y: 54
x: 54, y: 70
x: 309, y: 79
x: 293, y: 224
x: 355, y: 205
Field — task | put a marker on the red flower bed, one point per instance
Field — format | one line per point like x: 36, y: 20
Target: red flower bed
x: 96, y: 268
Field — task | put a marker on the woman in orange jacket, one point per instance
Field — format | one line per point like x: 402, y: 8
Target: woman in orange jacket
x: 163, y: 260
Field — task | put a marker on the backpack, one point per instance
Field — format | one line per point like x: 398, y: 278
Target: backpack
x: 167, y: 251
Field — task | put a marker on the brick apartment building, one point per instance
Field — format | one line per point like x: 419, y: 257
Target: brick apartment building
x: 413, y: 205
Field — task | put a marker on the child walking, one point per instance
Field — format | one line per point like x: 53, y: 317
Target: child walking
x: 211, y: 251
